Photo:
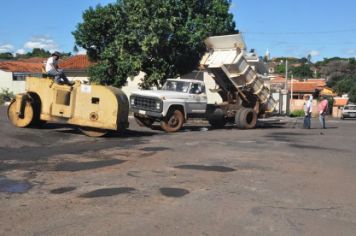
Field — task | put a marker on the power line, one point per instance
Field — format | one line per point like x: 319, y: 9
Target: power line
x: 301, y: 33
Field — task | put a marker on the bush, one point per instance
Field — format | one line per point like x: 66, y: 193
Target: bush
x: 297, y: 113
x: 5, y: 96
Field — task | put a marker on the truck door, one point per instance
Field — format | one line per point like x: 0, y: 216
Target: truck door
x: 197, y: 100
x: 63, y: 101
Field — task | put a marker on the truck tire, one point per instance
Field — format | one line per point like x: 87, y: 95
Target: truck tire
x: 216, y: 118
x: 143, y: 121
x: 246, y: 118
x: 173, y: 121
x: 21, y: 121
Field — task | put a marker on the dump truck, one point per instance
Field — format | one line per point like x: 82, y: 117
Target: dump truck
x: 239, y: 79
x: 241, y: 87
x: 94, y: 109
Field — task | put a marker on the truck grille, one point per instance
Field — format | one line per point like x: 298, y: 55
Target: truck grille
x: 145, y: 103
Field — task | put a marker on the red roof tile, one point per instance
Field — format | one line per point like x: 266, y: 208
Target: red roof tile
x: 76, y: 62
x: 319, y: 82
x: 304, y: 87
x: 21, y: 66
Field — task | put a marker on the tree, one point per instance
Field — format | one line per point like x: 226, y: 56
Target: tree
x: 302, y: 71
x: 6, y: 56
x: 352, y: 94
x: 164, y: 38
x: 75, y: 49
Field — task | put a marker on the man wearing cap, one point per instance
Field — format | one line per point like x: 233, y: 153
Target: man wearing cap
x: 53, y: 70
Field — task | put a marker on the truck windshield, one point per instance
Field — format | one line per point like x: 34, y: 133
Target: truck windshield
x: 350, y: 108
x: 177, y: 86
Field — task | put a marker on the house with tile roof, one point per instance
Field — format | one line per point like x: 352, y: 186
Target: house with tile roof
x: 13, y: 73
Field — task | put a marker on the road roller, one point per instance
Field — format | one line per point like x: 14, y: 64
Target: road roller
x: 94, y: 109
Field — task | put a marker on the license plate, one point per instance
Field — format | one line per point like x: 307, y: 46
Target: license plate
x: 352, y: 115
x: 142, y: 112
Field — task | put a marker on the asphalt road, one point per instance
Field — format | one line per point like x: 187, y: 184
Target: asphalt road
x: 274, y: 180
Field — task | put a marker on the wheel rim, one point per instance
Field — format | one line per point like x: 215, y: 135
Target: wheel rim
x: 20, y: 121
x: 173, y: 121
x: 249, y: 118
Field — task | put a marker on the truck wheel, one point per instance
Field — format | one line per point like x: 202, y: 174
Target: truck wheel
x: 21, y: 121
x: 143, y: 121
x: 246, y: 118
x: 93, y: 132
x: 173, y: 121
x: 216, y: 118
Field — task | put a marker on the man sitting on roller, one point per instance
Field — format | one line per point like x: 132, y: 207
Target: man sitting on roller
x: 53, y: 70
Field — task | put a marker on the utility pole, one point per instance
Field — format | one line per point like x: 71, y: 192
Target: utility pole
x: 291, y: 93
x: 286, y: 88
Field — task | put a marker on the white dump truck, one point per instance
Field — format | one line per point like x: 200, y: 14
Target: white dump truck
x: 241, y: 87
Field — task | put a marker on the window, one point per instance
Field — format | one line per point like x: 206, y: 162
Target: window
x: 21, y: 76
x: 197, y: 88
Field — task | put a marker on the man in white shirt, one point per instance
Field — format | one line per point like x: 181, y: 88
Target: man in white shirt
x: 52, y: 69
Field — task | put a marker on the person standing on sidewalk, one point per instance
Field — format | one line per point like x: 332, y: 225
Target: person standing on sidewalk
x: 323, y: 108
x: 307, y: 112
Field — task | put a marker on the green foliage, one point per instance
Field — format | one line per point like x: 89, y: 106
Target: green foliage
x: 302, y: 71
x: 297, y: 113
x: 281, y: 69
x: 6, y: 96
x: 352, y: 94
x: 344, y: 84
x: 6, y: 56
x: 160, y: 37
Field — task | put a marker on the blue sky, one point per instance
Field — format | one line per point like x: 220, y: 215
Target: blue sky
x: 287, y: 28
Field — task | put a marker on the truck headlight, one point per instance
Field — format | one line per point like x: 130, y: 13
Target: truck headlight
x: 132, y: 101
x: 158, y: 105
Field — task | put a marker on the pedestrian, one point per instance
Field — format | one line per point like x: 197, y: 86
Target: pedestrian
x: 307, y: 113
x: 53, y: 70
x: 323, y: 108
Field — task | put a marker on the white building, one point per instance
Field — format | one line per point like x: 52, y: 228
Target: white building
x: 13, y: 74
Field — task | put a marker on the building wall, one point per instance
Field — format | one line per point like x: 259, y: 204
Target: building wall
x: 6, y: 82
x: 298, y: 104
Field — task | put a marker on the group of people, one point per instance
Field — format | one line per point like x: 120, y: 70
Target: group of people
x: 308, y: 109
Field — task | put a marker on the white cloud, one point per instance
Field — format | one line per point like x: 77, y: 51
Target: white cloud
x: 6, y: 48
x: 351, y: 52
x: 314, y: 53
x: 21, y: 51
x: 43, y: 42
x: 82, y: 52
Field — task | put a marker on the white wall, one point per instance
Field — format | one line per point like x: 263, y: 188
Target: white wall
x: 6, y: 82
x: 132, y: 84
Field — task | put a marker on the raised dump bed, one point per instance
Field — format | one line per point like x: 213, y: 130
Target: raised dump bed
x: 226, y: 61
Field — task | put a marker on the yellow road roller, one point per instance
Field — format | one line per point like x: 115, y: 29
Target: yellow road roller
x: 95, y: 109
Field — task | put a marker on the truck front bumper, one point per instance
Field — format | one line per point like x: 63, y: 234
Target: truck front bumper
x: 147, y: 113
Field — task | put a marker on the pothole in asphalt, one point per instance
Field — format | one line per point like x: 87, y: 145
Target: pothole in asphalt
x: 13, y: 186
x: 206, y: 168
x: 62, y: 190
x: 154, y: 149
x: 173, y: 192
x: 79, y: 166
x: 107, y: 192
x: 252, y: 166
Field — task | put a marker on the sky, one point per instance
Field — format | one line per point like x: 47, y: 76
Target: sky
x: 290, y: 28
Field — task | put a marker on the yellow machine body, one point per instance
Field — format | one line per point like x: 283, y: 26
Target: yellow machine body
x: 96, y: 106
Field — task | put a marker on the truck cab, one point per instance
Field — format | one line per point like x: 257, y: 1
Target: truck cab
x: 177, y: 101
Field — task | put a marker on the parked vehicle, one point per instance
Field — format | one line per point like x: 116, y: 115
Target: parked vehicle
x: 94, y: 109
x: 178, y: 100
x: 348, y: 111
x: 240, y: 86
